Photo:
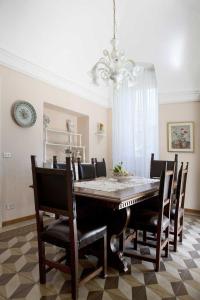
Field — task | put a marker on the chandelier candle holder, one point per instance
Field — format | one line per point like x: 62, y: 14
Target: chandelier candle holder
x: 114, y: 66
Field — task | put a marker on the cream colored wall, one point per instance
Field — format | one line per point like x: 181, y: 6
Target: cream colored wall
x: 189, y: 111
x: 22, y: 142
x: 1, y: 161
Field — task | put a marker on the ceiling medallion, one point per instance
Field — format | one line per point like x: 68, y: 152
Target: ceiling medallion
x: 114, y: 66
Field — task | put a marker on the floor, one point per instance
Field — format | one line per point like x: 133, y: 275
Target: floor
x: 179, y: 277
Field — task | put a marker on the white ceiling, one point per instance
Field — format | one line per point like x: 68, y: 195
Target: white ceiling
x: 66, y: 37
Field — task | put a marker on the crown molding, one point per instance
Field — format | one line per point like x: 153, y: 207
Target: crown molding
x: 26, y: 67
x: 179, y: 96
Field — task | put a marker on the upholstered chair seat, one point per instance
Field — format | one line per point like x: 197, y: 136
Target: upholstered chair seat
x: 148, y: 220
x: 57, y: 233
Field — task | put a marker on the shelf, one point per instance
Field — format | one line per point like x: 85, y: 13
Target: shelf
x: 65, y: 145
x: 100, y: 134
x: 69, y: 140
x: 63, y: 131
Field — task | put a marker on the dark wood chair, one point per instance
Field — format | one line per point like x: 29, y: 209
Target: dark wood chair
x: 53, y: 191
x: 86, y: 171
x: 62, y: 166
x: 155, y: 221
x: 100, y: 167
x: 157, y: 166
x: 177, y: 209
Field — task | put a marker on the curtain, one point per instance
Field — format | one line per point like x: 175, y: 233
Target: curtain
x: 135, y: 123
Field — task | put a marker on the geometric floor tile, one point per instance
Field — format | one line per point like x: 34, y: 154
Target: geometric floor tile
x: 179, y: 276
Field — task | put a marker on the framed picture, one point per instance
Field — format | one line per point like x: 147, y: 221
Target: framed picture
x: 180, y: 136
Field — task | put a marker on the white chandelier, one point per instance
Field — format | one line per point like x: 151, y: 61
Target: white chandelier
x: 114, y: 66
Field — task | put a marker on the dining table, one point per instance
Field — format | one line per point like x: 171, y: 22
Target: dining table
x: 109, y: 201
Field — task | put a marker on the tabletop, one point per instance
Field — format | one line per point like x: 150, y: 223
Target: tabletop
x: 119, y: 198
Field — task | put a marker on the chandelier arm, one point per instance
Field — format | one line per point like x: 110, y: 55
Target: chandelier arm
x: 99, y: 63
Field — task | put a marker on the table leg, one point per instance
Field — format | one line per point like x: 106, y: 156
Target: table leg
x: 116, y: 229
x: 116, y: 221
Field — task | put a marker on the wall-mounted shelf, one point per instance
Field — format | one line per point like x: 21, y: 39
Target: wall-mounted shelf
x: 100, y: 133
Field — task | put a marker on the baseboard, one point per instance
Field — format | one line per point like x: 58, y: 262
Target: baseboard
x: 18, y: 220
x: 30, y: 217
x: 190, y: 211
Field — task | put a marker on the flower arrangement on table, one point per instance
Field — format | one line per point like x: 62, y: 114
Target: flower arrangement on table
x: 120, y: 173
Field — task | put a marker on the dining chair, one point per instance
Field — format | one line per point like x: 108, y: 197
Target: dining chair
x: 100, y: 167
x: 155, y: 221
x: 177, y: 209
x: 53, y: 192
x: 156, y: 166
x: 86, y: 171
x: 61, y: 166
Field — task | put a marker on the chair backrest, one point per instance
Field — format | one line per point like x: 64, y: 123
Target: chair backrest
x: 53, y: 189
x: 181, y: 187
x: 157, y: 166
x: 100, y: 167
x: 86, y: 171
x: 165, y: 193
x: 62, y: 166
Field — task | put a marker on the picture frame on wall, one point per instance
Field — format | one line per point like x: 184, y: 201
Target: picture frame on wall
x: 180, y: 136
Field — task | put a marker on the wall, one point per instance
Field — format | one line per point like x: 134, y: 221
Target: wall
x: 184, y: 112
x: 1, y: 161
x: 24, y: 142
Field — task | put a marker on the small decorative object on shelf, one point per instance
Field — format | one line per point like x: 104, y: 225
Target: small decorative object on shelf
x: 46, y: 121
x: 120, y: 173
x: 78, y: 154
x: 100, y: 128
x: 70, y: 126
x: 68, y: 152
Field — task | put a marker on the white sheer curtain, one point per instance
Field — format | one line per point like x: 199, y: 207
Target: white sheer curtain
x: 135, y: 123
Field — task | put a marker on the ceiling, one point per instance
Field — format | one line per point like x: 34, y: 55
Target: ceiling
x: 65, y: 38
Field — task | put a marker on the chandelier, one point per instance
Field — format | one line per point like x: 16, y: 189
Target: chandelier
x: 114, y: 66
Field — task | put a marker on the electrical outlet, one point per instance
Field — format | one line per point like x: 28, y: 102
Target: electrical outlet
x: 10, y: 206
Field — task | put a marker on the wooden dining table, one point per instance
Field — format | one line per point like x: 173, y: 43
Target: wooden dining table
x: 113, y: 208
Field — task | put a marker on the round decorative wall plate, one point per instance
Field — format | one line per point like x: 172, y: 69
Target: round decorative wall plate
x: 24, y: 113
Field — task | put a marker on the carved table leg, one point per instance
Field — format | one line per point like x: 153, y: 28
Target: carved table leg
x: 116, y: 228
x: 116, y: 221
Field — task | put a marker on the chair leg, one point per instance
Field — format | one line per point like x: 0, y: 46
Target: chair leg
x: 167, y: 246
x: 158, y: 252
x: 41, y: 254
x: 135, y: 240
x: 175, y: 238
x: 104, y: 273
x: 144, y: 236
x: 181, y: 233
x: 74, y: 276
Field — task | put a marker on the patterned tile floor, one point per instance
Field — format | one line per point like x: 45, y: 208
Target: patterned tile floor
x: 179, y: 277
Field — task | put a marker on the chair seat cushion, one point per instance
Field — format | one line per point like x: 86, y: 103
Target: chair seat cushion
x: 148, y: 220
x: 173, y: 211
x: 58, y: 233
